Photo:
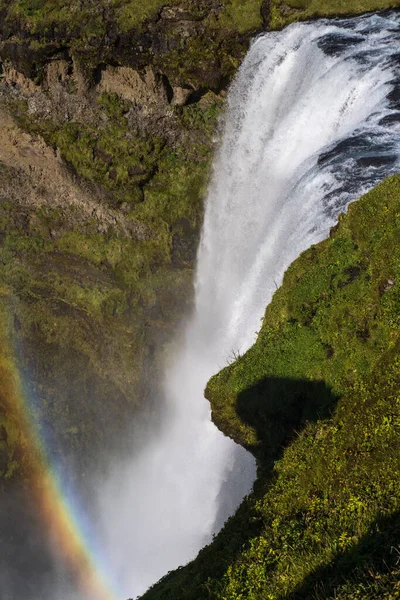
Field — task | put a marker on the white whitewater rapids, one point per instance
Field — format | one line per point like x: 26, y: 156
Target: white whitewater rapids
x: 312, y: 122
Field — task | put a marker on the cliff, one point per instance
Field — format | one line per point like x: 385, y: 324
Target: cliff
x: 316, y: 400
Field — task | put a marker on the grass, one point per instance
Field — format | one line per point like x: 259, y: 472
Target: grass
x: 316, y: 399
x: 243, y: 16
x: 39, y: 15
x: 300, y: 10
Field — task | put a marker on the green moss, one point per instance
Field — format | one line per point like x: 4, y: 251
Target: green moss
x: 132, y: 13
x: 91, y: 19
x: 243, y: 16
x: 109, y: 156
x: 283, y: 13
x: 317, y: 401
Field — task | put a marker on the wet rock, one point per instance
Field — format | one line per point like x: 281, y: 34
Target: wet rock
x: 266, y: 12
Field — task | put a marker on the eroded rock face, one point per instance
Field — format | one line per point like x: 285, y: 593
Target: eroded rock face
x: 102, y: 172
x: 46, y: 181
x: 93, y: 287
x: 57, y: 72
x: 184, y: 43
x: 147, y: 90
x: 181, y: 95
x: 14, y: 78
x: 104, y: 154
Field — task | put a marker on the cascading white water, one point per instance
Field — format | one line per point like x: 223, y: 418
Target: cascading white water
x: 312, y: 122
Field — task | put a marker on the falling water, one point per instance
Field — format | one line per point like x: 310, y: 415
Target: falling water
x: 312, y: 122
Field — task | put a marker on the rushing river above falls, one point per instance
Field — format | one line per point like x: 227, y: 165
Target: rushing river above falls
x: 312, y: 122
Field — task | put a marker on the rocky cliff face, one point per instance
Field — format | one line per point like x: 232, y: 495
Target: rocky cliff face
x: 102, y: 179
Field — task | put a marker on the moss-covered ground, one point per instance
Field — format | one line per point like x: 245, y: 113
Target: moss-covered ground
x: 283, y: 13
x: 90, y: 18
x: 317, y: 400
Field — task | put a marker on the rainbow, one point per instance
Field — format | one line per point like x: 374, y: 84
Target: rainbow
x: 56, y: 511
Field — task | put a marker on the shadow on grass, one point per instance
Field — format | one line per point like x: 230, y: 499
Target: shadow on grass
x: 372, y: 565
x: 277, y: 408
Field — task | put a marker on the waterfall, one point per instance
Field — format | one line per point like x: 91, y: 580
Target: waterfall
x: 312, y: 122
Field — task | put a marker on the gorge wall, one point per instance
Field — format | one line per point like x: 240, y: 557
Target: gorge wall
x: 108, y: 112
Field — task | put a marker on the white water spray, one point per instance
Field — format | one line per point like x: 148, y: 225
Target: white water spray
x: 310, y: 126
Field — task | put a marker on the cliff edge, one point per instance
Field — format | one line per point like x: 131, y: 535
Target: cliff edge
x: 316, y: 399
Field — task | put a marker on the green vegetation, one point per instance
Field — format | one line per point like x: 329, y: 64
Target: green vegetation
x: 283, y: 13
x: 40, y: 16
x: 89, y: 20
x: 317, y: 401
x: 87, y: 300
x: 243, y: 16
x: 202, y: 52
x: 89, y: 17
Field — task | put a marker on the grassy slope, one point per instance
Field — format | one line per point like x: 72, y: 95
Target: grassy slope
x: 125, y: 13
x: 319, y: 393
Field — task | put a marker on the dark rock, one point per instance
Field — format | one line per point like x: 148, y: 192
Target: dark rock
x: 3, y: 434
x: 266, y: 13
x: 113, y: 174
x: 3, y: 459
x: 102, y: 155
x: 27, y: 60
x: 136, y: 171
x: 184, y: 244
